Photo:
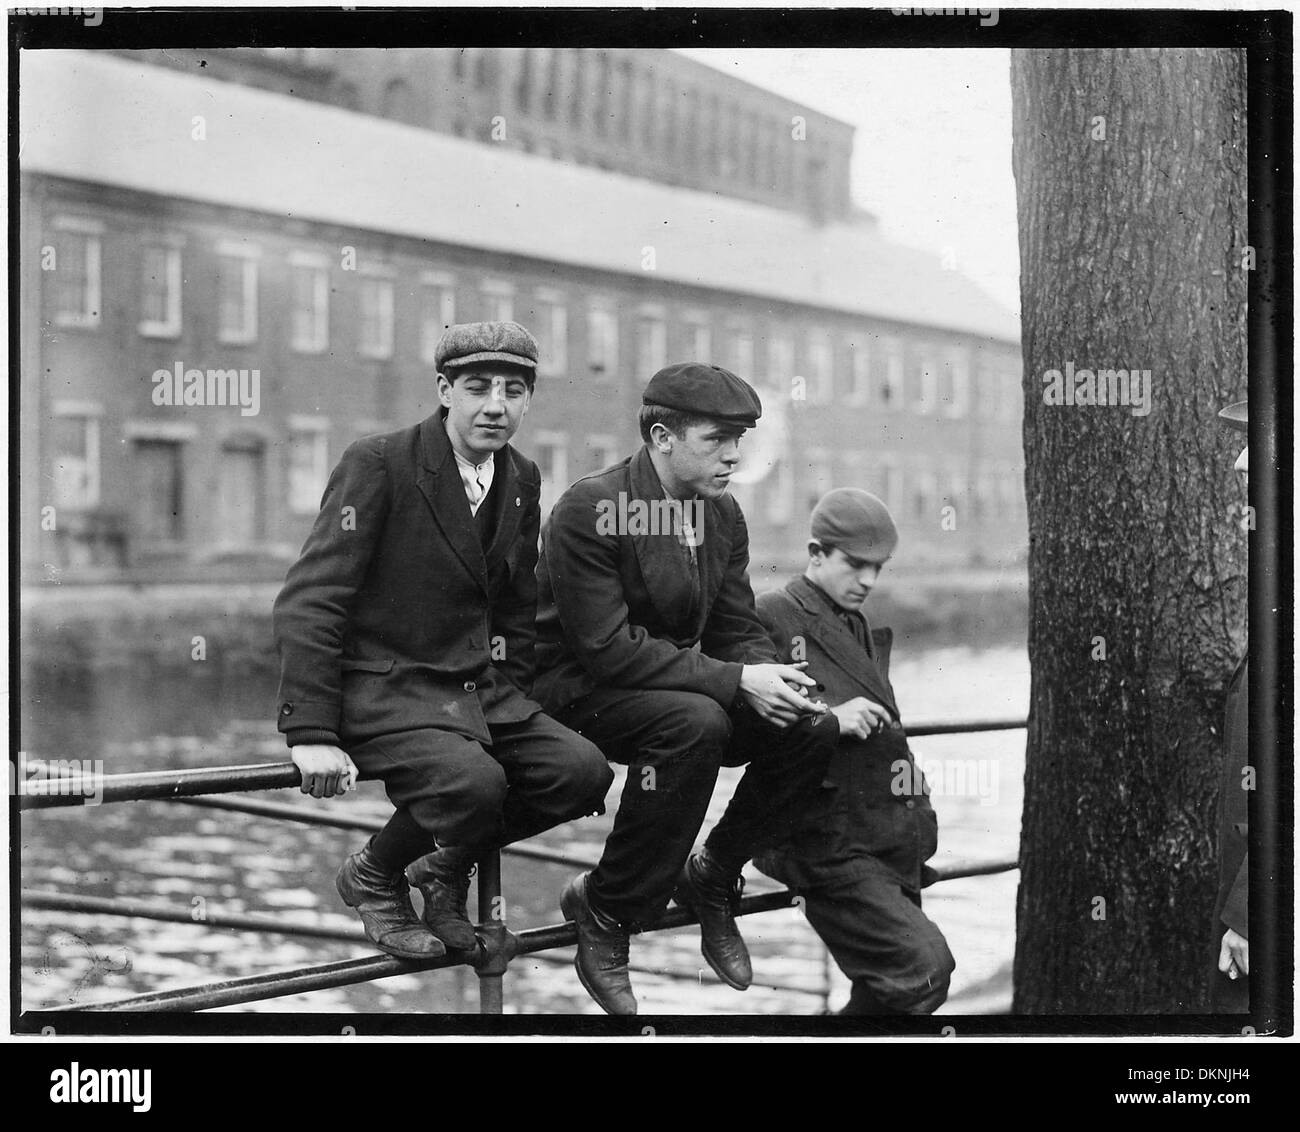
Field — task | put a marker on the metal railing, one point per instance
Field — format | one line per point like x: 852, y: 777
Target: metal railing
x: 498, y: 946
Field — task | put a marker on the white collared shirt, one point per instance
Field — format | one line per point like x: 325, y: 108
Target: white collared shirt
x: 477, y: 479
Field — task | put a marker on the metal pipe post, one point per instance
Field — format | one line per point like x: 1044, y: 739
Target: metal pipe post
x: 492, y: 920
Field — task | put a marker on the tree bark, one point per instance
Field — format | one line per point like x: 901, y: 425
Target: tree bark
x: 1131, y: 186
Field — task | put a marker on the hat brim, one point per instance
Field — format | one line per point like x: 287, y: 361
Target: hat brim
x: 1235, y: 416
x: 490, y: 356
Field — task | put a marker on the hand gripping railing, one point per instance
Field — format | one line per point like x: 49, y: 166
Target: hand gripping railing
x: 498, y: 946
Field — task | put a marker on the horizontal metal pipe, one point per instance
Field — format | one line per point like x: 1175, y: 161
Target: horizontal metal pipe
x: 920, y: 730
x: 170, y: 913
x: 974, y: 869
x: 275, y: 984
x: 77, y: 790
x: 272, y: 984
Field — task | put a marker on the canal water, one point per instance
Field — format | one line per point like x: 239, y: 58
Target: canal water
x: 209, y: 862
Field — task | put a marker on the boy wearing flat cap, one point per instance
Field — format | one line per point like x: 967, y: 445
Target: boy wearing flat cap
x: 857, y: 854
x: 648, y: 644
x: 406, y: 636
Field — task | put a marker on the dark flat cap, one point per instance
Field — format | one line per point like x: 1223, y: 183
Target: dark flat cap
x: 855, y: 521
x: 1234, y: 416
x: 706, y: 391
x: 470, y: 342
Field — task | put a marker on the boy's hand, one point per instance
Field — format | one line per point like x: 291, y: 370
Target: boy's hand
x: 860, y: 717
x: 769, y: 689
x: 326, y: 770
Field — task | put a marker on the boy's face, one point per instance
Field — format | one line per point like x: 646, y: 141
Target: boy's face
x: 701, y: 460
x: 485, y: 405
x: 846, y: 580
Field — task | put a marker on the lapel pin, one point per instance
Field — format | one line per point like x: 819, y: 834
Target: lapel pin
x: 517, y: 503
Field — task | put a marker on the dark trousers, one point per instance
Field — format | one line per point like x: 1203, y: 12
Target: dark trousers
x: 535, y: 775
x: 874, y: 927
x: 673, y: 744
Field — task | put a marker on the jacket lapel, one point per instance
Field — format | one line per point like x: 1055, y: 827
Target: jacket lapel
x: 505, y: 478
x: 440, y: 484
x: 839, y: 644
x: 660, y: 556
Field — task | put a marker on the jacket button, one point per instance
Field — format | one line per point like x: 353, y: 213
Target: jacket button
x: 287, y: 709
x: 911, y: 805
x: 470, y: 686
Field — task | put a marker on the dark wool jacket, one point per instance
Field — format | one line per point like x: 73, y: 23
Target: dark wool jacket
x: 873, y: 812
x: 395, y: 616
x: 619, y: 610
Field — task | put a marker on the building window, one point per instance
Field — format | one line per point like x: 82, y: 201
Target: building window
x: 551, y: 451
x: 602, y: 341
x: 821, y: 386
x: 891, y: 485
x: 376, y: 334
x: 927, y: 488
x: 651, y: 344
x: 437, y: 311
x: 75, y: 442
x: 699, y: 339
x: 740, y: 353
x: 550, y: 326
x: 158, y: 489
x: 954, y: 382
x: 859, y: 372
x: 602, y: 452
x: 498, y: 301
x: 76, y: 272
x: 927, y: 381
x: 984, y: 502
x: 780, y: 361
x: 160, y: 291
x: 309, y: 319
x: 956, y: 494
x: 237, y: 294
x: 308, y: 464
x: 889, y: 373
x: 241, y: 476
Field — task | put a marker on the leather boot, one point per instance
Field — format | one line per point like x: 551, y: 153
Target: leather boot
x: 601, y: 961
x: 383, y: 901
x: 443, y: 879
x: 712, y: 892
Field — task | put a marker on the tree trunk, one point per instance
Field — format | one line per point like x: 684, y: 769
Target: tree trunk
x: 1131, y: 186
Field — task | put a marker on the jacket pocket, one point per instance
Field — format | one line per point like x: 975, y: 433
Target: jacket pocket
x: 349, y: 665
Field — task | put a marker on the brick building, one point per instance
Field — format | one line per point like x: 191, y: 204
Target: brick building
x: 177, y: 218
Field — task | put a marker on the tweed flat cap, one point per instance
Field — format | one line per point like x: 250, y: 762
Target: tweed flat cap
x: 706, y: 391
x: 1234, y: 416
x: 855, y: 521
x: 470, y: 342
